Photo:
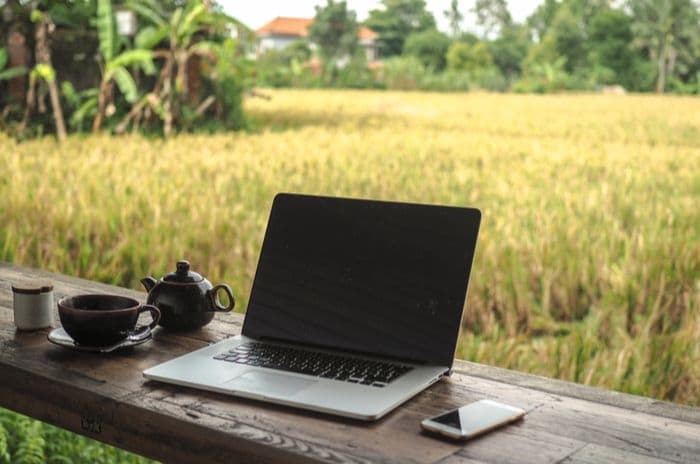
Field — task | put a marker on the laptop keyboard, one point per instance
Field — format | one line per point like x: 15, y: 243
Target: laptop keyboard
x: 319, y: 364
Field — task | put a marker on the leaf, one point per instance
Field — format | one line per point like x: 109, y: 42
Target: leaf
x: 3, y: 57
x: 31, y: 448
x: 175, y: 19
x: 138, y: 57
x: 36, y: 15
x: 195, y: 13
x: 5, y: 457
x: 44, y: 71
x: 150, y: 36
x: 106, y: 29
x: 149, y: 10
x: 189, y: 24
x: 11, y: 73
x: 68, y: 91
x: 86, y: 110
x: 125, y: 83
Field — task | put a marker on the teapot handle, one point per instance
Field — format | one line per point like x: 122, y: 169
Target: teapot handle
x: 215, y: 303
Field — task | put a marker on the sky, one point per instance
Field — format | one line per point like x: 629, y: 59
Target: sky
x: 255, y: 13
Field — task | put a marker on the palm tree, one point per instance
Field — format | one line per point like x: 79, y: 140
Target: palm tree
x: 669, y: 30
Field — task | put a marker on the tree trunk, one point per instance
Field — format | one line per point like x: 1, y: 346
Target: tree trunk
x: 101, y: 105
x: 661, y: 66
x: 43, y: 56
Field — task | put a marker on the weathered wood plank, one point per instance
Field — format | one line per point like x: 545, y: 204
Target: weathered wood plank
x: 598, y: 395
x: 595, y: 454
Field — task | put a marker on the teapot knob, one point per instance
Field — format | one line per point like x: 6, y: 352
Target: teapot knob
x: 183, y: 267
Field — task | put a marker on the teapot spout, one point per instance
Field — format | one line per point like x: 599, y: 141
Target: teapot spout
x: 149, y: 282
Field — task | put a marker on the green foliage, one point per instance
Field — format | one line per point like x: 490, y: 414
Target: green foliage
x: 492, y: 15
x: 396, y: 21
x: 448, y: 81
x: 106, y: 30
x: 429, y: 46
x: 668, y: 31
x: 82, y: 105
x: 23, y: 440
x: 610, y: 48
x: 6, y: 74
x: 465, y: 57
x: 334, y: 31
x: 545, y: 77
x: 44, y: 72
x: 543, y: 16
x: 509, y: 50
x: 227, y: 79
x: 286, y: 67
x: 404, y: 73
x: 568, y: 39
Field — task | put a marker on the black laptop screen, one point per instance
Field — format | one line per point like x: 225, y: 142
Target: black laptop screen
x: 383, y: 278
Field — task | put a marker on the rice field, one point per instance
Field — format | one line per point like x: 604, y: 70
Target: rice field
x: 588, y: 261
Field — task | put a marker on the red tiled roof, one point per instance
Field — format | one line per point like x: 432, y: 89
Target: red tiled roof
x: 365, y: 32
x: 286, y: 26
x: 299, y: 27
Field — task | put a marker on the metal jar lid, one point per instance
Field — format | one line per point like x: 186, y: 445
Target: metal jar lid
x: 32, y: 288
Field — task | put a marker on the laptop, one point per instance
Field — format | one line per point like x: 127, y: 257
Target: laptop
x: 355, y: 307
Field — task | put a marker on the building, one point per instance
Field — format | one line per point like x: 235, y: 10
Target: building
x: 283, y: 31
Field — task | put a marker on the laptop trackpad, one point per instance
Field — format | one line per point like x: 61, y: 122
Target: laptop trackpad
x: 270, y: 383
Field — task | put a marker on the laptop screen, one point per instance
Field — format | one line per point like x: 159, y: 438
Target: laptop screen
x: 382, y: 278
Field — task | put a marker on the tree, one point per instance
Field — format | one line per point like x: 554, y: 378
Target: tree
x: 334, y: 31
x: 430, y: 47
x: 396, y: 21
x: 465, y: 57
x: 610, y: 49
x: 492, y: 15
x: 543, y: 16
x: 43, y: 71
x: 177, y: 35
x: 669, y: 33
x: 569, y: 36
x: 116, y: 64
x: 455, y: 17
x: 509, y: 50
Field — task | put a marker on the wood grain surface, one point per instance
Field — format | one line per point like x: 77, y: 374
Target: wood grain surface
x: 106, y: 397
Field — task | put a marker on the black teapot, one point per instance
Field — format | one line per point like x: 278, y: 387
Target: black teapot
x: 186, y: 299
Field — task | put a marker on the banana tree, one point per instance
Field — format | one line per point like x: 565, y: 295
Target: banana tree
x: 44, y: 72
x: 181, y: 30
x: 115, y: 65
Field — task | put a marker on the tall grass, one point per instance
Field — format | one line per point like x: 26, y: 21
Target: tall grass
x: 588, y: 263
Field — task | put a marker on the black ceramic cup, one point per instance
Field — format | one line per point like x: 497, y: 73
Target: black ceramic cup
x: 101, y: 320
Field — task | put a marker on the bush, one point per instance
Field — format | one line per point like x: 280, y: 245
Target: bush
x: 430, y: 47
x: 403, y: 73
x: 448, y: 81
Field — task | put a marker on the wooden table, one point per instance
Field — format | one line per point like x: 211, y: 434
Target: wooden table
x: 105, y: 397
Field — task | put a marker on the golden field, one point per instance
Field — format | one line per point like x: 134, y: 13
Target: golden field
x: 588, y: 261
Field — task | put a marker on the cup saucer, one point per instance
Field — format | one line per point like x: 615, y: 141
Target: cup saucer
x: 61, y: 338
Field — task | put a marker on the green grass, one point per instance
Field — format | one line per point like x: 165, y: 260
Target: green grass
x: 588, y: 262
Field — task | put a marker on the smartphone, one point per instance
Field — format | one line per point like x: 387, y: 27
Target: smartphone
x: 473, y: 419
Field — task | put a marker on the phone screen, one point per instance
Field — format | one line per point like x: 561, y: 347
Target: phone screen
x: 478, y: 416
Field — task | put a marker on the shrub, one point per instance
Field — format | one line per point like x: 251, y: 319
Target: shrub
x: 430, y: 47
x: 403, y: 73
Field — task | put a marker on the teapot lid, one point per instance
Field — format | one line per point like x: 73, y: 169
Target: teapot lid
x: 183, y: 275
